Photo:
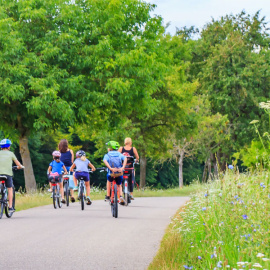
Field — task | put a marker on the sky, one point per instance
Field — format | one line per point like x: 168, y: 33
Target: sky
x: 182, y: 13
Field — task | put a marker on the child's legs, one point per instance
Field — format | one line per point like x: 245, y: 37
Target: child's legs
x: 87, y: 186
x: 61, y: 189
x: 10, y: 196
x: 75, y: 180
x: 108, y: 188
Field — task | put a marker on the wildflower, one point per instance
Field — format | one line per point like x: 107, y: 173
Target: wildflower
x: 230, y: 167
x: 260, y: 255
x: 205, y: 195
x: 212, y: 256
x: 204, y: 208
x: 265, y: 259
x: 245, y: 216
x: 186, y: 267
x: 257, y: 265
x: 219, y: 265
x: 228, y: 266
x: 261, y: 184
x: 220, y: 194
x: 199, y: 257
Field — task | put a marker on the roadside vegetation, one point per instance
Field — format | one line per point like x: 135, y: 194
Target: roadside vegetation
x: 225, y: 225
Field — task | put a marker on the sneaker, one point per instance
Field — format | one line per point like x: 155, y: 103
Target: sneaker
x: 122, y: 201
x: 75, y: 188
x: 89, y: 202
x: 72, y: 199
x: 131, y: 197
x: 107, y: 198
x: 11, y: 210
x: 63, y: 201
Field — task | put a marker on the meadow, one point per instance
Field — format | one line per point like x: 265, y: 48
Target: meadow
x: 224, y: 226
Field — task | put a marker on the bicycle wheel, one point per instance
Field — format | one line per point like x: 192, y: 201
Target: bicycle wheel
x: 82, y: 197
x: 66, y: 189
x: 59, y: 197
x: 126, y: 193
x: 54, y: 198
x: 115, y: 202
x: 9, y: 214
x: 2, y: 204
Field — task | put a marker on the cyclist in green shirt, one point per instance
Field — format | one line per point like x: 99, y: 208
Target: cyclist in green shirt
x: 6, y: 159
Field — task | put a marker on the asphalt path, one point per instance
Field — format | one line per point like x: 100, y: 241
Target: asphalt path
x: 69, y: 238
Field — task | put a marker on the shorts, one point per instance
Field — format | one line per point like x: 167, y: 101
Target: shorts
x: 68, y: 169
x: 83, y: 175
x: 58, y: 181
x: 118, y: 179
x: 9, y: 181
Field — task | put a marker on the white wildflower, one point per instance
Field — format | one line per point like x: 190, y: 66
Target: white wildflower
x: 260, y: 255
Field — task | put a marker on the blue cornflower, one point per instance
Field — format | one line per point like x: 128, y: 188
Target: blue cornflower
x: 199, y: 257
x: 236, y: 196
x: 204, y: 208
x: 186, y: 267
x: 261, y: 184
x: 230, y: 167
x: 254, y: 230
x: 212, y: 256
x: 205, y: 195
x: 245, y: 216
x: 219, y: 265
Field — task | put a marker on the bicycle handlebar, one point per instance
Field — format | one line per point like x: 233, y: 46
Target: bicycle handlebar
x: 16, y: 168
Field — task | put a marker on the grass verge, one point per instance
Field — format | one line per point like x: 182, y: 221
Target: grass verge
x: 224, y: 226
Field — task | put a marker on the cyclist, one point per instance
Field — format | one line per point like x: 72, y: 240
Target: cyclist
x: 113, y: 160
x: 67, y: 157
x: 56, y: 166
x: 131, y: 151
x: 6, y: 158
x: 82, y: 163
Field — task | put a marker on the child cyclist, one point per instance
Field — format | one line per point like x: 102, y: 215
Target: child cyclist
x: 6, y: 158
x: 57, y: 166
x: 113, y: 160
x: 82, y: 163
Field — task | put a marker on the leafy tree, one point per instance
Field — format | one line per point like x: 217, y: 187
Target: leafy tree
x: 63, y: 62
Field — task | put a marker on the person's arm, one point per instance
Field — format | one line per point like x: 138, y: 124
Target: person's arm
x: 49, y: 169
x: 120, y: 149
x: 19, y: 165
x: 108, y: 166
x: 91, y: 166
x: 124, y: 165
x: 72, y: 155
x: 65, y: 169
x: 72, y: 167
x: 136, y: 154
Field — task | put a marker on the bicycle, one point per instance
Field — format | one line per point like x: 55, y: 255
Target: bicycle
x: 66, y: 188
x: 127, y: 177
x: 55, y: 178
x: 4, y: 196
x: 114, y: 194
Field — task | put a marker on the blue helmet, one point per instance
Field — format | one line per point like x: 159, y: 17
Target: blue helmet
x: 5, y: 143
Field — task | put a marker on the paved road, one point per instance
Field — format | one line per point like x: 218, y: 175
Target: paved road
x: 68, y: 238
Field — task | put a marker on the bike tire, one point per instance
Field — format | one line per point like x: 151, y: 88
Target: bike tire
x: 126, y: 195
x: 67, y: 193
x: 9, y: 214
x: 59, y: 202
x: 115, y: 203
x: 2, y: 204
x: 54, y: 198
x: 82, y: 198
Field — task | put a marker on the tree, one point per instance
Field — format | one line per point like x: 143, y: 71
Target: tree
x: 63, y: 62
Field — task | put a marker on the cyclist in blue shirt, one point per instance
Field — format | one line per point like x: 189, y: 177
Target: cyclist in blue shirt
x: 57, y: 166
x: 115, y: 162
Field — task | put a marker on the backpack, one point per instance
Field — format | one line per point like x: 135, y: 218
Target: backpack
x: 115, y: 162
x: 54, y: 177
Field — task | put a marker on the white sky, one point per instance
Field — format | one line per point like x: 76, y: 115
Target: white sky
x: 182, y: 13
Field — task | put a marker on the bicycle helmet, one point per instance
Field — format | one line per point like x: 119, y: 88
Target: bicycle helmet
x: 80, y: 153
x: 56, y: 154
x: 113, y: 145
x: 5, y: 143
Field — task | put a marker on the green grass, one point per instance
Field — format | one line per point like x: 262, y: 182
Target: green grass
x: 224, y: 226
x: 25, y: 201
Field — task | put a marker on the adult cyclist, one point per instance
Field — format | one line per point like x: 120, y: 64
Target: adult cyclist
x: 6, y: 159
x: 115, y: 162
x: 129, y: 150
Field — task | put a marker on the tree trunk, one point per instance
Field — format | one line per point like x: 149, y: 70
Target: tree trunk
x: 180, y: 163
x: 143, y: 163
x: 30, y: 181
x: 209, y: 165
x: 204, y: 177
